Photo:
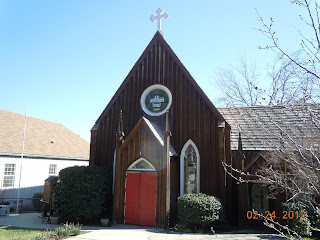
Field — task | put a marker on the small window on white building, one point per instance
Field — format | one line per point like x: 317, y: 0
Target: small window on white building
x: 52, y: 169
x: 8, y: 176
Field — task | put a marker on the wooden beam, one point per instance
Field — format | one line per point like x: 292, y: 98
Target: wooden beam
x: 167, y: 146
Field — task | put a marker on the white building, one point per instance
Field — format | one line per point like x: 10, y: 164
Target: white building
x: 49, y: 147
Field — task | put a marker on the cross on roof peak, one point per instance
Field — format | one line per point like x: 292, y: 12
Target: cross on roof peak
x: 158, y: 17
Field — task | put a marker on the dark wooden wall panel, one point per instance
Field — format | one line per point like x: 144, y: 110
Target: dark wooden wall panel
x: 213, y: 133
x: 188, y: 111
x: 104, y: 137
x: 203, y: 147
x: 175, y: 186
x: 229, y: 195
x: 93, y: 147
x: 128, y: 154
x: 190, y: 118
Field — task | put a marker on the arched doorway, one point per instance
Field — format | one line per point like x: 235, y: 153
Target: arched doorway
x: 140, y: 198
x: 259, y: 196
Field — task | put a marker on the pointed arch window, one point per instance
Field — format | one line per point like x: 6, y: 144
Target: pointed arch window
x: 189, y: 169
x: 141, y: 165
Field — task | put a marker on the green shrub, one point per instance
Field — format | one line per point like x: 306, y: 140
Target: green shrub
x: 199, y: 209
x: 75, y: 229
x: 62, y: 232
x: 82, y: 193
x: 314, y: 217
x: 36, y: 200
x: 302, y: 226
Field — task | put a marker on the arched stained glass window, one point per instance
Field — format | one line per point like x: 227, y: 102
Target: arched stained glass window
x: 189, y: 169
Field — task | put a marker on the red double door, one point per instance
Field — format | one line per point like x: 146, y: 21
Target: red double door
x: 140, y: 203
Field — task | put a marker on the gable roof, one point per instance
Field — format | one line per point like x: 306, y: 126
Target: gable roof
x: 158, y: 37
x: 43, y: 138
x: 261, y: 126
x: 156, y: 131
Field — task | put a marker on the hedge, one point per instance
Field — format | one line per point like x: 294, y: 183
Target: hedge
x: 36, y: 200
x: 83, y: 193
x: 300, y: 225
x: 199, y: 209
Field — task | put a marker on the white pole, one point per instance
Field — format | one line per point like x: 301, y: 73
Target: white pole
x: 23, y: 141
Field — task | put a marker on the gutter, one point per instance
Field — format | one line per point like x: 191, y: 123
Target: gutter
x: 16, y: 155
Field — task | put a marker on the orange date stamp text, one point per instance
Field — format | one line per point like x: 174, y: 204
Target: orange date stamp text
x: 269, y: 215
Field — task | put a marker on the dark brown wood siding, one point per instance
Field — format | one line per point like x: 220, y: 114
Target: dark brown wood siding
x: 242, y: 192
x: 191, y: 116
x: 140, y: 144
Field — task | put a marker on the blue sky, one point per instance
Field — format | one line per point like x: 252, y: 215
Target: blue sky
x: 66, y: 59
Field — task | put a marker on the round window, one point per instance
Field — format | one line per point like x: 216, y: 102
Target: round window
x: 156, y: 100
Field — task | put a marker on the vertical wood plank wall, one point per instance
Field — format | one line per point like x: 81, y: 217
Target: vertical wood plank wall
x: 190, y: 117
x: 243, y: 191
x: 142, y: 144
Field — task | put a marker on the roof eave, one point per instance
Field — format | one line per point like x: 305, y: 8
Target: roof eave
x: 18, y: 155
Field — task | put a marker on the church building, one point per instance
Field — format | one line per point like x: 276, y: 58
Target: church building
x: 162, y: 137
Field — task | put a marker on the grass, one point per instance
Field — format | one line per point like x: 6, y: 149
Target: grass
x: 307, y: 238
x: 7, y: 233
x: 311, y: 238
x: 64, y: 231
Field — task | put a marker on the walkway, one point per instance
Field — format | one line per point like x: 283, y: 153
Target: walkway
x: 32, y: 220
x: 130, y: 232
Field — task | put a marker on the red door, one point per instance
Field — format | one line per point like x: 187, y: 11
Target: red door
x: 141, y: 198
x: 148, y: 199
x: 132, y: 198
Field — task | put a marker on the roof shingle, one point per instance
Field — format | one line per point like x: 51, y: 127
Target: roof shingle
x: 43, y: 138
x: 261, y: 126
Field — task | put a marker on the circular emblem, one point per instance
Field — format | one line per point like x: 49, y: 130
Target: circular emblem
x: 156, y: 100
